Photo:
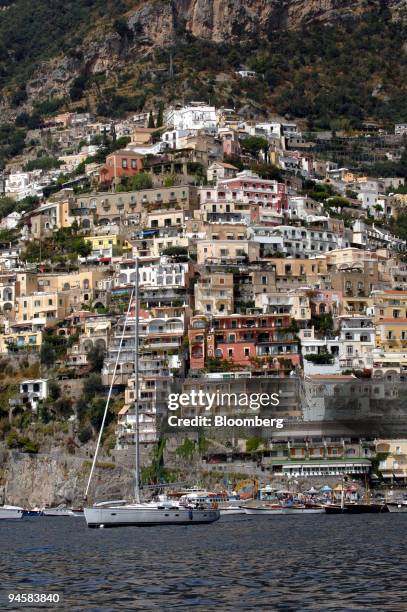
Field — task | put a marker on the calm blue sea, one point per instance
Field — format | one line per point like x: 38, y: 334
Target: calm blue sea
x: 297, y: 563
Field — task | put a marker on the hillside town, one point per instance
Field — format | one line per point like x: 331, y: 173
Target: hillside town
x: 263, y: 265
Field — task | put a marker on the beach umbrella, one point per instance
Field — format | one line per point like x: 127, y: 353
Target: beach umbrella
x: 326, y: 489
x: 311, y: 491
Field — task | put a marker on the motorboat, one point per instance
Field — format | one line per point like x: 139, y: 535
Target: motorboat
x: 231, y: 510
x: 60, y: 510
x: 397, y: 505
x: 11, y: 512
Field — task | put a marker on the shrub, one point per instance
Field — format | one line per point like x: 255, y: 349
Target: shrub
x: 84, y: 435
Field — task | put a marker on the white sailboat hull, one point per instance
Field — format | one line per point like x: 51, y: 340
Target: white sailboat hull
x: 143, y: 516
x: 285, y: 511
x: 10, y: 512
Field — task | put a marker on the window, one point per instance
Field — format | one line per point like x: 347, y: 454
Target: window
x: 134, y: 164
x: 264, y: 280
x: 349, y: 350
x: 230, y: 352
x: 247, y: 352
x: 124, y: 163
x: 50, y: 302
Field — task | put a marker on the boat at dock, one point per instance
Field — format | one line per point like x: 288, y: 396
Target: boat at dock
x: 397, y: 506
x: 232, y: 510
x: 11, y: 512
x: 356, y: 508
x: 60, y: 510
x: 286, y: 510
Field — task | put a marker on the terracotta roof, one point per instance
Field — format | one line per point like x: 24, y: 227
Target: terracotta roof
x: 226, y: 165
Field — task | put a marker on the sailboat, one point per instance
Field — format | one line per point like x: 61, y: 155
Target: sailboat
x: 119, y: 513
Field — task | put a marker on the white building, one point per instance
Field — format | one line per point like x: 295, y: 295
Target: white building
x: 33, y: 391
x: 20, y: 185
x: 11, y: 221
x: 195, y: 116
x: 311, y: 345
x: 357, y: 341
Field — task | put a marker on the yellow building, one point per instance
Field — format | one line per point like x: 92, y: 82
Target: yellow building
x: 391, y: 335
x: 389, y: 304
x: 394, y: 466
x: 227, y: 251
x: 20, y: 337
x: 109, y: 245
x: 214, y: 294
x: 42, y: 308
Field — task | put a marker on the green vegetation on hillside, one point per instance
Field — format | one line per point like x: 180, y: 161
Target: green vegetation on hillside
x: 335, y: 75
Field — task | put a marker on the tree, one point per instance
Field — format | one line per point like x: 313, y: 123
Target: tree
x: 320, y: 358
x: 95, y: 358
x: 151, y: 120
x: 160, y: 115
x: 92, y: 386
x: 84, y: 434
x: 7, y: 205
x: 47, y: 355
x: 323, y: 323
x: 267, y: 171
x: 140, y: 181
x: 54, y: 390
x: 254, y: 144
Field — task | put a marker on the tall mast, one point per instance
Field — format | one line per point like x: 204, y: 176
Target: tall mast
x: 136, y: 383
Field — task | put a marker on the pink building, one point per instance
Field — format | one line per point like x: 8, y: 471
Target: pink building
x: 256, y: 342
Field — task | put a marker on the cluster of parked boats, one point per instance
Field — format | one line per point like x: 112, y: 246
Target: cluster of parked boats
x: 200, y: 506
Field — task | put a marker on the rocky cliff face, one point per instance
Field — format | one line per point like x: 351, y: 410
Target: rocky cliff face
x: 51, y: 479
x: 232, y: 20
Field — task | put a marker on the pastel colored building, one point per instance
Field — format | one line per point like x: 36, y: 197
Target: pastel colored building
x: 121, y: 164
x: 257, y: 342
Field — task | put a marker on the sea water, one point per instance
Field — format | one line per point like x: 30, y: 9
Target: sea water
x: 309, y: 562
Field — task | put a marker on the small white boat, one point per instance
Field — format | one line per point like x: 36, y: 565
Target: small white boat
x: 116, y: 514
x: 11, y: 512
x: 231, y: 510
x: 286, y: 510
x: 397, y: 506
x: 60, y: 510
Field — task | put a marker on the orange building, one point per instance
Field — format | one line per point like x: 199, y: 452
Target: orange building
x: 121, y: 164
